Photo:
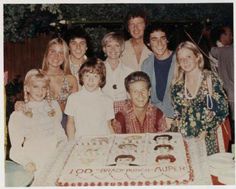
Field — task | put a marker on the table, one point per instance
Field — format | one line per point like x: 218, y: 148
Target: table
x: 16, y: 175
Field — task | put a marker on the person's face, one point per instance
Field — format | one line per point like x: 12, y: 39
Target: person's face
x: 55, y: 55
x: 139, y: 94
x: 91, y: 81
x: 113, y: 49
x: 136, y: 27
x: 78, y: 47
x: 187, y: 59
x: 227, y: 37
x: 158, y: 44
x: 123, y: 161
x: 37, y: 90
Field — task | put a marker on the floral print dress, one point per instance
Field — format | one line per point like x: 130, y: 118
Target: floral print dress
x: 193, y: 116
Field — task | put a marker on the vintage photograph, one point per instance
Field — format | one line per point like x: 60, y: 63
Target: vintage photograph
x: 118, y: 94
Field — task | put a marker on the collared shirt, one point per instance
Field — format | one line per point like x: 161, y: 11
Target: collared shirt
x: 166, y: 105
x: 127, y: 122
x: 91, y: 112
x: 115, y: 86
x: 128, y: 56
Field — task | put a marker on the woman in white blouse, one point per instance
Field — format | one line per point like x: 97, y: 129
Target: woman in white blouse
x: 116, y: 71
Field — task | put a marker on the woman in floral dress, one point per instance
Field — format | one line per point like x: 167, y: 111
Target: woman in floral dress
x: 199, y: 101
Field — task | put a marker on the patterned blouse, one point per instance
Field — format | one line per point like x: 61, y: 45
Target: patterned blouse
x: 65, y: 91
x: 192, y: 116
x: 127, y: 122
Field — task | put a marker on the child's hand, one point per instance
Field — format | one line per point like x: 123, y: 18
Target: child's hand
x: 19, y: 106
x: 31, y: 167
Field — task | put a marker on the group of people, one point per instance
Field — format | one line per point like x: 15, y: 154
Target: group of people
x: 141, y: 87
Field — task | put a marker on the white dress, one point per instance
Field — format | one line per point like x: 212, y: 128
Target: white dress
x: 35, y: 139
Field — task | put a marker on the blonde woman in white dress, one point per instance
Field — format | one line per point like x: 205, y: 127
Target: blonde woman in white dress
x: 36, y: 132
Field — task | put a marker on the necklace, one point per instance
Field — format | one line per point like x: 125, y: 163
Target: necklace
x: 197, y: 87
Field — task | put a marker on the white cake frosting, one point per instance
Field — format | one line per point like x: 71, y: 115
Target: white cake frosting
x: 128, y: 159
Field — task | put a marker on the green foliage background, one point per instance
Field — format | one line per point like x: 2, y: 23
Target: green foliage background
x: 26, y: 20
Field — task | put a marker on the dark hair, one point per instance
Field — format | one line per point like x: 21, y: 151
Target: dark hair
x: 163, y: 146
x: 124, y: 156
x: 79, y: 32
x: 135, y: 77
x: 152, y: 28
x: 217, y: 32
x: 134, y: 13
x: 93, y: 65
x: 159, y: 136
x: 168, y: 156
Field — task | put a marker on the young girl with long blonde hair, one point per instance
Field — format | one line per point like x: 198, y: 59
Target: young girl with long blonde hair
x: 199, y: 100
x: 36, y: 132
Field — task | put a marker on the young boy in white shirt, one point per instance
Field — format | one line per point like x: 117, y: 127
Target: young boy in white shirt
x: 90, y: 111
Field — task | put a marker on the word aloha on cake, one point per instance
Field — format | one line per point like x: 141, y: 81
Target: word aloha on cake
x: 128, y: 159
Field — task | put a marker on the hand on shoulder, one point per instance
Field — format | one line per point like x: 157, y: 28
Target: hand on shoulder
x: 19, y: 106
x: 73, y: 82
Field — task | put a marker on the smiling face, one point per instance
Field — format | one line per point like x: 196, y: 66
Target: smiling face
x: 136, y: 27
x: 113, y: 49
x: 55, y: 56
x: 37, y: 90
x: 139, y: 94
x: 91, y: 81
x: 158, y: 44
x: 188, y: 61
x: 78, y: 47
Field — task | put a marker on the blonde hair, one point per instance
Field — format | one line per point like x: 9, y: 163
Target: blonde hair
x: 179, y: 72
x: 113, y: 36
x: 65, y: 65
x: 32, y: 76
